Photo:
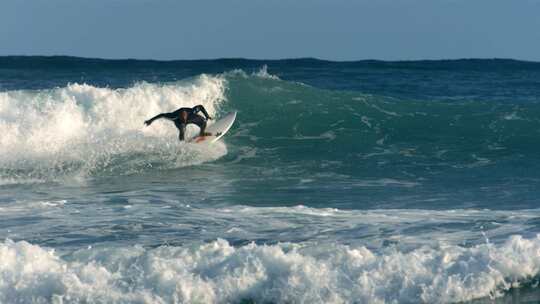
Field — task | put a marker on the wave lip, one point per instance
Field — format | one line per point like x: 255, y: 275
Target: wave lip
x: 217, y: 272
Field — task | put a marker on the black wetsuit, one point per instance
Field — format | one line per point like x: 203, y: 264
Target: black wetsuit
x: 192, y: 118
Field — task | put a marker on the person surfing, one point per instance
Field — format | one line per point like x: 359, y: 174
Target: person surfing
x: 184, y: 116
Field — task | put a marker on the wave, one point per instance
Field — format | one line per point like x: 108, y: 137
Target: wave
x: 402, y: 228
x: 217, y: 272
x: 303, y: 111
x: 82, y: 130
x: 350, y: 126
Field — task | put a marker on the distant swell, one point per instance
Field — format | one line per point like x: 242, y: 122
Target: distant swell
x: 218, y: 273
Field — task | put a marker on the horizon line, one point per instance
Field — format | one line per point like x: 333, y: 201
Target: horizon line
x: 280, y: 59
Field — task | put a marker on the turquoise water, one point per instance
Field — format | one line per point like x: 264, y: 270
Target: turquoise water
x: 339, y: 182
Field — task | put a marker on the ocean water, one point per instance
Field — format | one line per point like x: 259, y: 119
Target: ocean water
x: 340, y: 182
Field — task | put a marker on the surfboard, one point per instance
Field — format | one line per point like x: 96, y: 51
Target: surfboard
x: 218, y: 129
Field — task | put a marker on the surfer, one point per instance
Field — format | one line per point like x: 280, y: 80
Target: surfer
x: 184, y: 116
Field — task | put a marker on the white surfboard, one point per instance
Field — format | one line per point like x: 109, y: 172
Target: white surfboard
x: 218, y: 129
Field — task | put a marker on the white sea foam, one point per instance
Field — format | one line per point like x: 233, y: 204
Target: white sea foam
x: 217, y: 272
x: 398, y: 228
x: 263, y: 73
x: 386, y: 182
x: 512, y: 116
x: 82, y: 129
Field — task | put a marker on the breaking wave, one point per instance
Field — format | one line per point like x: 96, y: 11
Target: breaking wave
x: 217, y: 272
x: 81, y: 130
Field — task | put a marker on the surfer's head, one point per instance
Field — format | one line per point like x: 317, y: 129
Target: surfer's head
x: 183, y: 116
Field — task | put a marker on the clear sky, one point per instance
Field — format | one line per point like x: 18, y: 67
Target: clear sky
x: 271, y: 29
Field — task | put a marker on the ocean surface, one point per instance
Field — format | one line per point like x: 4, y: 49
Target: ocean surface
x: 340, y: 182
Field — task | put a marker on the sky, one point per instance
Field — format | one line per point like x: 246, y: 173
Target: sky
x: 272, y: 29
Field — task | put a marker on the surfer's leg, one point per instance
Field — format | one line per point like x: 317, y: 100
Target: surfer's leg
x: 201, y: 123
x: 181, y: 134
x: 181, y: 129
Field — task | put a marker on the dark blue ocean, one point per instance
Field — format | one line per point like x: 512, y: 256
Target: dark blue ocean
x: 340, y: 182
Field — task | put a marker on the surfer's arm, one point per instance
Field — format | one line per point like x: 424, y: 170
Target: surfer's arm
x: 170, y: 116
x: 202, y: 109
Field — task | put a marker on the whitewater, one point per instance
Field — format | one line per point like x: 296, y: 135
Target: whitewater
x: 340, y: 182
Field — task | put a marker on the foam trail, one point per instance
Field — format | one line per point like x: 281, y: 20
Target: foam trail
x: 218, y: 272
x: 85, y: 129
